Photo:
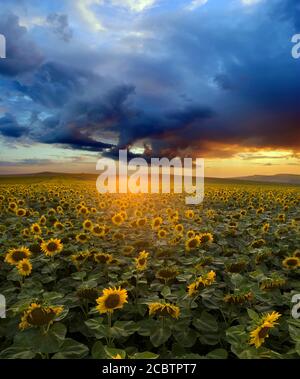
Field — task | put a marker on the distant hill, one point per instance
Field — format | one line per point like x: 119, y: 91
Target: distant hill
x: 279, y: 178
x: 288, y: 179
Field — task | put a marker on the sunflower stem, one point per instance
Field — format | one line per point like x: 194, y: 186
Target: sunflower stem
x: 109, y: 317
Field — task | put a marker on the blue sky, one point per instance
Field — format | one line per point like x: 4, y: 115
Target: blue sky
x: 211, y: 79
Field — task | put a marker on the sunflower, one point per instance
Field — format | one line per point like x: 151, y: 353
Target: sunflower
x: 167, y: 274
x: 206, y: 238
x: 87, y: 225
x: 24, y: 267
x: 190, y: 214
x: 58, y: 225
x: 12, y: 206
x: 21, y: 212
x: 112, y: 298
x: 117, y: 356
x: 271, y: 283
x: 162, y: 233
x: 164, y: 310
x: 265, y: 228
x: 203, y: 281
x: 141, y: 261
x: 39, y: 315
x: 98, y: 230
x: 238, y: 298
x: 291, y: 263
x: 297, y: 253
x: 156, y: 222
x: 179, y: 228
x: 192, y: 243
x: 141, y: 222
x: 258, y: 243
x: 190, y: 233
x: 42, y: 220
x: 14, y: 256
x: 118, y: 219
x: 80, y: 258
x: 103, y: 258
x: 81, y: 237
x: 52, y: 247
x: 25, y: 232
x: 261, y: 332
x: 35, y: 229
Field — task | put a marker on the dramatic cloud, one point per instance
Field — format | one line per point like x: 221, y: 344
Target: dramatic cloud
x: 22, y: 54
x: 9, y: 127
x: 60, y: 26
x: 213, y: 82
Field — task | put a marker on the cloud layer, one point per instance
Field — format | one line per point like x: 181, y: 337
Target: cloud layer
x: 185, y: 80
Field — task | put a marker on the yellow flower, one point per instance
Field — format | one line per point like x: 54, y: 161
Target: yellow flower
x: 163, y: 310
x: 24, y: 267
x: 179, y: 228
x: 87, y: 225
x: 238, y: 298
x: 291, y: 263
x: 156, y: 222
x: 80, y: 258
x: 52, y: 247
x: 162, y: 233
x: 112, y: 298
x: 21, y: 212
x: 190, y: 233
x: 192, y: 243
x: 141, y: 221
x: 203, y: 281
x: 141, y: 261
x: 261, y: 332
x: 206, y: 238
x: 190, y: 214
x: 38, y: 315
x: 98, y: 230
x: 35, y: 229
x: 266, y: 228
x: 117, y: 356
x: 81, y: 237
x: 103, y: 258
x: 167, y: 273
x: 58, y: 225
x: 14, y: 256
x: 118, y: 219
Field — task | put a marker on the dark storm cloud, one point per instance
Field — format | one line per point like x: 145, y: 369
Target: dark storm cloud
x: 60, y: 26
x: 22, y: 55
x: 204, y: 82
x: 9, y: 127
x: 54, y: 84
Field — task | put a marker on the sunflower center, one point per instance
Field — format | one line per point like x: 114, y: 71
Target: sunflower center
x: 193, y: 243
x: 52, y: 246
x: 142, y: 261
x: 25, y: 267
x: 292, y: 262
x: 263, y: 332
x: 18, y: 256
x: 112, y: 301
x: 40, y: 316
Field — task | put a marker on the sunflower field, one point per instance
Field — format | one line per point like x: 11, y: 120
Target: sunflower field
x: 86, y: 275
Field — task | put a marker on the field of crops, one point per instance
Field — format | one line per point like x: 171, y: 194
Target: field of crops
x: 145, y: 276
